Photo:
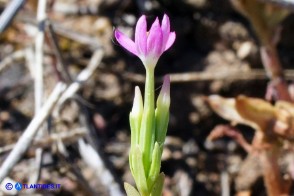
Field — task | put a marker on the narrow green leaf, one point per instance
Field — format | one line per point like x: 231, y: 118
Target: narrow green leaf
x: 155, y: 166
x: 131, y: 191
x: 139, y: 173
x: 158, y: 186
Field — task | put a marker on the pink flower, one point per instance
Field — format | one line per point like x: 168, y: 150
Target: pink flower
x: 148, y: 46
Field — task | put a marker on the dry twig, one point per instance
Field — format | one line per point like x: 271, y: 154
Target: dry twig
x: 19, y: 54
x: 65, y: 137
x: 62, y: 66
x: 82, y: 77
x: 225, y: 130
x: 9, y: 13
x: 39, y: 85
x: 64, y: 156
x: 94, y: 160
x: 254, y: 74
x: 27, y: 137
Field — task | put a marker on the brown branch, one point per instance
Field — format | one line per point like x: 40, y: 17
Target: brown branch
x: 229, y: 131
x: 254, y: 74
x: 62, y: 66
x: 82, y: 38
x: 271, y: 172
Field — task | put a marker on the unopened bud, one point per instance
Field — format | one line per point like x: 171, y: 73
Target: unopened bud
x: 136, y: 117
x: 162, y: 111
x: 164, y: 95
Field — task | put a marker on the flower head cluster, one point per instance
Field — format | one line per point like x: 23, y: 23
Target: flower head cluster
x: 148, y: 46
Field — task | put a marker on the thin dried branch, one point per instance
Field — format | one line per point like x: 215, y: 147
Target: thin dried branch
x: 62, y: 67
x: 254, y: 74
x: 94, y: 160
x: 229, y: 131
x: 29, y: 58
x: 82, y: 77
x: 39, y: 85
x: 27, y: 137
x: 76, y: 9
x: 35, y: 169
x: 8, y: 14
x: 65, y: 137
x: 39, y: 43
x: 81, y: 38
x: 8, y: 60
x: 91, y: 153
x: 78, y: 37
x: 225, y: 183
x: 64, y: 156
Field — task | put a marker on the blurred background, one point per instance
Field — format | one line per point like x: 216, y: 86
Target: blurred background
x: 216, y: 52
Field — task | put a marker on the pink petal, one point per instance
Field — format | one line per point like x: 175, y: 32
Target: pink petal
x: 154, y: 40
x: 126, y: 42
x: 141, y: 35
x: 165, y: 27
x: 164, y: 95
x: 166, y: 85
x: 171, y: 39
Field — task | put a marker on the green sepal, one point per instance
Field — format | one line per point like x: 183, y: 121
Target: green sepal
x: 138, y: 171
x: 131, y: 191
x: 158, y: 186
x: 155, y: 165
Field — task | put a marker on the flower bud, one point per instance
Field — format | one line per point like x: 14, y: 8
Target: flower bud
x: 136, y: 116
x: 162, y: 111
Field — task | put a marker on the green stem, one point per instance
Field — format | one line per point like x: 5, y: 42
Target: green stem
x: 147, y: 130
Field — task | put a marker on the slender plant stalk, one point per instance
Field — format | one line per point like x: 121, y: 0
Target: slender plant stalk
x: 147, y: 139
x: 271, y: 171
x: 273, y: 67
